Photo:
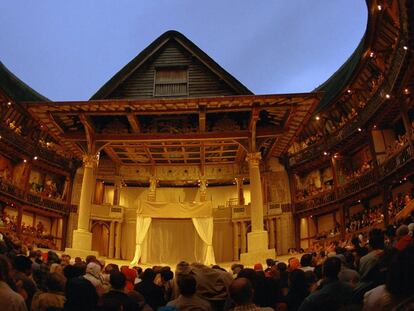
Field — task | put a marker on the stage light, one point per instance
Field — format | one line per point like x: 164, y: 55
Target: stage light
x: 317, y: 118
x: 379, y: 7
x: 35, y: 158
x: 405, y: 47
x: 406, y: 91
x: 372, y: 54
x: 349, y: 91
x: 359, y: 129
x: 387, y: 96
x: 24, y: 161
x: 325, y: 153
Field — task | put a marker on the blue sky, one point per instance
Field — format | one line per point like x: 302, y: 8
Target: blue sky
x: 67, y: 50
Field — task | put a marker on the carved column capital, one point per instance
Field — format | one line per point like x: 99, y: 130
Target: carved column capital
x: 90, y: 160
x: 254, y: 159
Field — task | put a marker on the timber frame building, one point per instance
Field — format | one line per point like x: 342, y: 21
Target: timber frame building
x: 281, y: 171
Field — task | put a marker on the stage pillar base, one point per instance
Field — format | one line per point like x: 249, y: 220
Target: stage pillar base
x: 81, y: 244
x: 257, y: 249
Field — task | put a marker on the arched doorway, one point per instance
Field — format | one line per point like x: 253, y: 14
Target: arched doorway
x: 100, y: 238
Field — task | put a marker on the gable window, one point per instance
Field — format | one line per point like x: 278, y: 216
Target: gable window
x: 171, y: 81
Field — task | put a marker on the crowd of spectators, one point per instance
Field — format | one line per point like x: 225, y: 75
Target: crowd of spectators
x: 366, y: 218
x: 30, y: 236
x: 395, y: 147
x: 373, y: 273
x: 312, y: 190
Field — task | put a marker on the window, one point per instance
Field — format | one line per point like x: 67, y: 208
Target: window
x: 171, y: 82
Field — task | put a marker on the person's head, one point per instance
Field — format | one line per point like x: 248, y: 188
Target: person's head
x: 148, y: 275
x: 80, y: 295
x: 258, y: 267
x: 376, y: 239
x: 331, y: 267
x: 402, y: 231
x: 166, y: 274
x: 281, y: 266
x: 71, y: 272
x: 93, y: 268
x: 22, y: 264
x: 241, y: 291
x: 270, y: 262
x: 236, y: 268
x: 187, y: 285
x: 55, y: 282
x: 293, y: 263
x: 91, y: 258
x: 117, y: 280
x: 306, y: 260
x: 78, y: 260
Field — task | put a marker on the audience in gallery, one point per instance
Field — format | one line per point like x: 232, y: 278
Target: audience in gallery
x: 31, y: 236
x: 366, y: 218
x: 368, y: 273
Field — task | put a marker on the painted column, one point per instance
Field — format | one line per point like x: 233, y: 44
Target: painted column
x: 118, y: 241
x: 152, y: 189
x: 240, y: 193
x: 203, y: 190
x: 236, y: 240
x: 256, y: 196
x: 272, y: 232
x: 117, y: 190
x: 82, y: 237
x: 243, y: 233
x: 111, y: 239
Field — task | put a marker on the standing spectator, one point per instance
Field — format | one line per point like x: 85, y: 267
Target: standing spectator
x: 241, y: 292
x: 9, y: 299
x: 22, y: 276
x: 332, y: 294
x: 116, y: 298
x: 188, y: 300
x: 54, y: 297
x: 152, y: 293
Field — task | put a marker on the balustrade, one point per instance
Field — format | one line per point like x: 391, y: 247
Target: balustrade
x: 32, y: 198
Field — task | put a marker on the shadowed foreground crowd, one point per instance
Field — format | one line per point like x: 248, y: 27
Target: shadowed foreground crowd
x: 376, y: 276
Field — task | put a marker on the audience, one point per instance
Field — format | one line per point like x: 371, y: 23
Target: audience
x: 363, y: 273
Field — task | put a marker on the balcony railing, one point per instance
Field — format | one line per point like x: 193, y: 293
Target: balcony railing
x: 28, y: 146
x: 376, y: 101
x: 33, y: 199
x: 357, y: 184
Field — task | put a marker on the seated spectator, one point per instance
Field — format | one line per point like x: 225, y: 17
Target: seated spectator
x: 116, y: 298
x: 54, y: 297
x: 188, y: 300
x: 9, y: 299
x: 241, y: 292
x: 332, y: 294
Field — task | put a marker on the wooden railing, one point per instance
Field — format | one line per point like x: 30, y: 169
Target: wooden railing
x: 32, y: 148
x: 375, y: 103
x: 360, y: 183
x: 33, y: 198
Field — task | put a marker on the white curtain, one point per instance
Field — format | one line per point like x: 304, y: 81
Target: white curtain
x: 170, y: 241
x: 143, y: 224
x: 204, y: 228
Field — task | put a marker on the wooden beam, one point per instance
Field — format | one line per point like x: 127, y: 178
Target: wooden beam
x: 173, y: 137
x: 202, y: 118
x: 133, y: 121
x: 89, y: 132
x: 112, y: 154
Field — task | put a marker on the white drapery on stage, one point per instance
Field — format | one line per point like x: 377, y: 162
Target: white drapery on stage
x: 201, y: 214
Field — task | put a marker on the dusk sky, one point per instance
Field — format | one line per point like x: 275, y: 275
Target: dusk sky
x: 66, y: 50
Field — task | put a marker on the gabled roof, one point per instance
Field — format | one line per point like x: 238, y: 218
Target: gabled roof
x: 166, y: 37
x: 15, y: 88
